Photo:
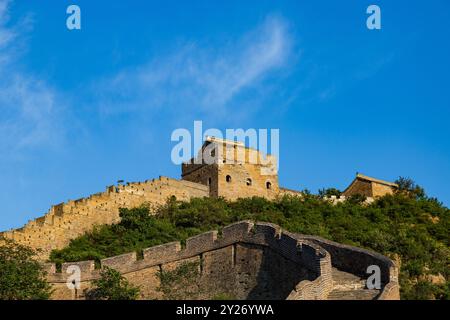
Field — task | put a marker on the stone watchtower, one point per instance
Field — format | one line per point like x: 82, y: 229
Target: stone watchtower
x: 232, y: 170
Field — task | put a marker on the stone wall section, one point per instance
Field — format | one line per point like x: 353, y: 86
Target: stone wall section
x: 379, y: 190
x: 69, y: 220
x: 355, y: 260
x: 248, y: 261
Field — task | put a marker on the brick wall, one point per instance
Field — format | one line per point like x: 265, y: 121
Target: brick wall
x: 248, y: 261
x: 69, y: 220
x: 356, y: 260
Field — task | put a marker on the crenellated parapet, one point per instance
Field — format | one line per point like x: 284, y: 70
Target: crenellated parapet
x: 69, y: 220
x: 261, y: 234
x: 356, y: 261
x: 301, y: 252
x: 233, y: 246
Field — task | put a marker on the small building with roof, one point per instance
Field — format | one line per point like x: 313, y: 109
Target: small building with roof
x: 369, y: 187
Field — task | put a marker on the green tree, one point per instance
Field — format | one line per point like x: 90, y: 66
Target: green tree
x: 413, y: 228
x: 409, y: 187
x: 356, y: 199
x: 181, y: 283
x: 112, y: 286
x: 329, y: 192
x: 21, y: 276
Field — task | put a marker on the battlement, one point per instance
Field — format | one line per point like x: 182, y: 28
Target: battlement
x: 264, y: 234
x: 66, y: 221
x: 293, y: 266
x: 315, y: 255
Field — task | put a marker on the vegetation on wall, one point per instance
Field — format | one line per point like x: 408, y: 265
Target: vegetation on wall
x: 180, y: 283
x: 407, y: 226
x: 21, y: 276
x: 112, y: 286
x: 223, y: 296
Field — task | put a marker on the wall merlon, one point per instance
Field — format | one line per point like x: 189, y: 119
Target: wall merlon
x: 85, y: 266
x: 202, y: 242
x: 121, y: 263
x: 238, y: 230
x: 265, y: 233
x: 160, y: 253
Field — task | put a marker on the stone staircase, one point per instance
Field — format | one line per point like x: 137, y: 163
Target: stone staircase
x: 347, y: 286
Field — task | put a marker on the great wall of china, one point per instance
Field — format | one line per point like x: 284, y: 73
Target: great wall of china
x: 248, y: 261
x: 69, y: 220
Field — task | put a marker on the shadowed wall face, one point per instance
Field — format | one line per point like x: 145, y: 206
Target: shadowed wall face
x: 247, y: 261
x: 241, y: 271
x: 69, y: 220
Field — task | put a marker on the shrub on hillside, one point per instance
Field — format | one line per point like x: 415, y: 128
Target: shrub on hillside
x: 414, y: 228
x: 21, y: 276
x: 112, y: 286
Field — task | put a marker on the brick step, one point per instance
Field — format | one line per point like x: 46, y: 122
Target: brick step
x: 346, y: 281
x: 347, y: 286
x: 359, y: 294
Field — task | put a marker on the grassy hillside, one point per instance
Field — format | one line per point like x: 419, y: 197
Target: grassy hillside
x: 405, y: 226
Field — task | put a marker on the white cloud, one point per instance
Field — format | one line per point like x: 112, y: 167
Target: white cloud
x: 204, y: 79
x: 193, y: 78
x: 6, y: 34
x: 28, y: 113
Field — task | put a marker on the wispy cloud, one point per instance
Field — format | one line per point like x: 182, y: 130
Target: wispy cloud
x: 28, y: 107
x: 28, y: 113
x: 204, y: 79
x: 6, y: 34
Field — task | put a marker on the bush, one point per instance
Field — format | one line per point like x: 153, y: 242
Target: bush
x: 112, y: 286
x: 413, y: 228
x: 408, y: 186
x: 21, y: 276
x: 181, y: 282
x: 330, y: 192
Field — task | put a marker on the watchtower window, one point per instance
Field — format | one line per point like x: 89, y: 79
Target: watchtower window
x: 269, y: 185
x: 228, y: 178
x: 209, y: 181
x: 249, y: 181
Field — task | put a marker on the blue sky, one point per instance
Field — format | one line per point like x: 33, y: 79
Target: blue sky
x: 82, y: 109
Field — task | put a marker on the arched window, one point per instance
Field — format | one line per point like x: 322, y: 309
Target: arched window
x: 249, y: 181
x: 269, y: 185
x: 228, y: 178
